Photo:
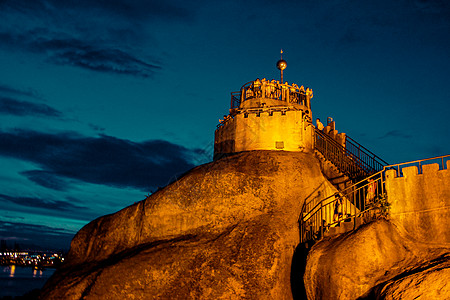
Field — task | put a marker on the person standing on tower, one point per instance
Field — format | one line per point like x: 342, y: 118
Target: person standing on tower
x: 257, y: 87
x: 319, y: 124
x: 263, y: 88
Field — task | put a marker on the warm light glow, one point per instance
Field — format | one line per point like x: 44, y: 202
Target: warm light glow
x: 13, y: 271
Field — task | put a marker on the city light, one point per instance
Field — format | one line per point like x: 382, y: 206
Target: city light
x: 37, y: 260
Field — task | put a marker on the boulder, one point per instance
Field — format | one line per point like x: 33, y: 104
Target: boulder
x: 226, y: 230
x: 377, y: 261
x: 428, y: 281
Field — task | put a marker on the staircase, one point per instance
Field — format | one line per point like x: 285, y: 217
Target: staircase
x: 351, y: 159
x: 343, y: 227
x: 354, y: 163
x: 362, y: 202
x: 358, y: 206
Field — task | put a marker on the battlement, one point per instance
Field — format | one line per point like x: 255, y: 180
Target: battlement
x: 420, y: 200
x: 266, y: 115
x: 426, y: 170
x: 270, y: 93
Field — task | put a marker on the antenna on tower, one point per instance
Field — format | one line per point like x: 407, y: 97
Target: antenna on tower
x: 281, y: 65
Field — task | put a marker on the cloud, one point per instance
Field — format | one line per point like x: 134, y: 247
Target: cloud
x: 352, y: 24
x: 41, y: 203
x: 47, y: 179
x: 26, y: 235
x: 130, y: 10
x: 100, y: 160
x: 4, y: 89
x: 438, y: 7
x: 96, y: 127
x: 10, y: 105
x: 14, y: 107
x: 102, y: 36
x: 396, y: 134
x: 90, y: 55
x: 96, y: 59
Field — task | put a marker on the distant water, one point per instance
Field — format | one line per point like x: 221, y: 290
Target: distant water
x: 16, y: 280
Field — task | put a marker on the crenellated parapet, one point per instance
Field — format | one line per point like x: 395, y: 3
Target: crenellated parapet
x: 267, y: 91
x: 420, y: 201
x: 266, y: 115
x: 332, y: 132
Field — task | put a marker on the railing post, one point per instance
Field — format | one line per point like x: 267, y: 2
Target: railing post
x: 321, y: 219
x: 300, y: 221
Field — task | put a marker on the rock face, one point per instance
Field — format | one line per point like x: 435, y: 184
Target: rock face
x: 225, y: 230
x: 430, y: 281
x: 229, y: 230
x: 378, y: 261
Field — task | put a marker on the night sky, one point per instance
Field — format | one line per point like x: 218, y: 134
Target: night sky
x: 102, y: 102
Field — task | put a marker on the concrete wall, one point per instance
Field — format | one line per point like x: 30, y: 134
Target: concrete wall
x: 276, y: 132
x: 224, y: 137
x: 420, y: 203
x: 289, y: 132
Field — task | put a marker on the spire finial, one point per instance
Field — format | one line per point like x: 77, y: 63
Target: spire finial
x: 281, y: 65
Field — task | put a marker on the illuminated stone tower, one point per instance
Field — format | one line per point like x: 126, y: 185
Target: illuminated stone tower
x: 267, y: 115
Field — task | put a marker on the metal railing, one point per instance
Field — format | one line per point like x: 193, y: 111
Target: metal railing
x: 369, y: 161
x: 363, y: 199
x: 271, y: 90
x: 354, y: 160
x: 235, y: 100
x: 440, y: 160
x: 358, y: 200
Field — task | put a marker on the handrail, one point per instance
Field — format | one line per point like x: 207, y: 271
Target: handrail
x: 441, y: 160
x: 235, y: 100
x: 355, y: 201
x: 350, y: 141
x: 356, y: 164
x: 272, y: 90
x: 371, y: 160
x: 360, y: 199
x: 347, y: 162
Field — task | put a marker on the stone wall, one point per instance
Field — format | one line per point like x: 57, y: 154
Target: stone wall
x: 331, y: 131
x: 224, y: 138
x: 277, y: 130
x: 420, y: 203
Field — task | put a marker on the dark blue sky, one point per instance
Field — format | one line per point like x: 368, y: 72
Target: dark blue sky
x: 102, y: 102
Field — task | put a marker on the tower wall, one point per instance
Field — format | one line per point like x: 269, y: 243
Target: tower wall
x: 266, y: 115
x: 420, y: 203
x: 276, y: 132
x: 289, y: 131
x: 224, y: 138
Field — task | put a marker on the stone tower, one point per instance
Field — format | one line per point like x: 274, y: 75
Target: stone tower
x: 266, y: 115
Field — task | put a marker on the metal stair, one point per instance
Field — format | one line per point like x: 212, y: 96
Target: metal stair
x: 362, y: 206
x: 344, y: 226
x: 353, y: 159
x: 352, y: 162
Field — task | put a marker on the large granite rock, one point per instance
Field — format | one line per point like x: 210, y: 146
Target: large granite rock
x: 225, y: 230
x: 427, y: 281
x: 377, y: 261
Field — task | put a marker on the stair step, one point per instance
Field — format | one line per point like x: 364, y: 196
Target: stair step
x: 344, y: 227
x: 358, y: 222
x: 332, y: 231
x: 347, y: 226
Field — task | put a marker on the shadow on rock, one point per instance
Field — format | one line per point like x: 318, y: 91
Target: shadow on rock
x: 297, y: 271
